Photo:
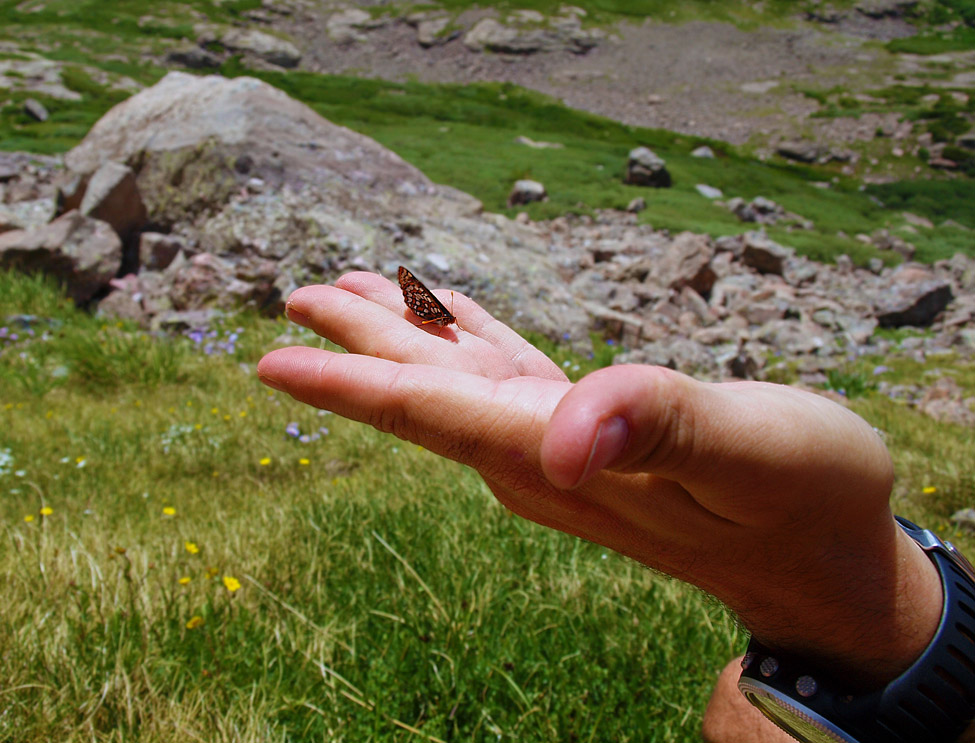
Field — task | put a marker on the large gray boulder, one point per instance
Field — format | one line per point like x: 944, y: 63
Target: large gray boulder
x: 237, y: 170
x: 195, y: 141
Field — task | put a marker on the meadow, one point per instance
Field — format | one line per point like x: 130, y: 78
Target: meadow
x: 189, y: 555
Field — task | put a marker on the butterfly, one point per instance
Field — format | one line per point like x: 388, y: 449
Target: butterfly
x: 422, y: 301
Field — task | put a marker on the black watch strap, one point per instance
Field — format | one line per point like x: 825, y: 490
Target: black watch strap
x: 933, y: 701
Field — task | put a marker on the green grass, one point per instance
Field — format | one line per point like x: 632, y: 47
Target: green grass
x: 383, y: 594
x: 382, y: 589
x: 936, y: 200
x: 475, y: 150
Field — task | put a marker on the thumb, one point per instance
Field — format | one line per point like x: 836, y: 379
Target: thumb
x: 611, y: 412
x: 729, y: 443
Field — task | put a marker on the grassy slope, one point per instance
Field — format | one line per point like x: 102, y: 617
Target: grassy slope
x: 430, y: 607
x: 169, y: 475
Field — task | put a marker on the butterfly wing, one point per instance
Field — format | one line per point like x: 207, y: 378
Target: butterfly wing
x: 422, y: 301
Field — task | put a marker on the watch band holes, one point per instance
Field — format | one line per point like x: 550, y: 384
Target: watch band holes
x: 965, y: 632
x: 949, y: 679
x: 965, y: 661
x: 969, y: 610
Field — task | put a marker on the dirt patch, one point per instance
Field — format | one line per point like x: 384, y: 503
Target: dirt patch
x: 700, y: 78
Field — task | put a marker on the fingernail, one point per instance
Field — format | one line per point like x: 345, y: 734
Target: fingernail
x: 611, y: 439
x: 271, y: 382
x: 296, y: 316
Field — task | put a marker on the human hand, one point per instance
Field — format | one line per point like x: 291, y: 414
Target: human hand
x: 772, y: 499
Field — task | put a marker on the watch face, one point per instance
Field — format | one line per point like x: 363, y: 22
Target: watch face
x: 802, y: 724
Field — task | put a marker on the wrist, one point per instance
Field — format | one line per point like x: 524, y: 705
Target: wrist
x: 931, y: 701
x: 881, y: 604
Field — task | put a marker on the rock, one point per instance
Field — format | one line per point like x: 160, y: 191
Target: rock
x: 623, y: 327
x: 347, y: 26
x: 687, y: 263
x: 742, y: 209
x: 35, y: 110
x: 529, y: 142
x: 917, y: 221
x: 883, y: 240
x: 944, y: 401
x: 965, y: 518
x: 112, y: 196
x: 804, y: 152
x: 195, y: 141
x: 911, y: 298
x: 193, y: 56
x: 35, y: 74
x: 8, y: 221
x: 681, y: 354
x: 764, y: 255
x: 708, y: 192
x: 743, y: 366
x: 271, y: 49
x: 526, y: 192
x: 646, y: 168
x: 124, y: 304
x: 531, y: 33
x: 430, y: 32
x: 879, y: 9
x: 703, y: 151
x: 83, y: 253
x: 764, y: 211
x: 26, y: 215
x: 157, y: 251
x: 636, y: 205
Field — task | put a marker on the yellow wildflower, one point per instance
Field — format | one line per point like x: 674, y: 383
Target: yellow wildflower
x: 304, y: 461
x: 194, y: 622
x: 169, y: 511
x: 185, y: 580
x: 929, y: 489
x: 47, y: 511
x: 28, y: 518
x: 265, y: 461
x: 231, y: 583
x: 191, y: 547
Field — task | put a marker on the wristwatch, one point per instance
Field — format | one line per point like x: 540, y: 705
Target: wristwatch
x: 933, y: 701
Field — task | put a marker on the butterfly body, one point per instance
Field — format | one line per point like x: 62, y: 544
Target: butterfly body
x: 422, y: 302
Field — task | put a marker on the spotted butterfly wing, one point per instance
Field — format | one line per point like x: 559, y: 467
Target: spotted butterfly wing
x: 422, y: 301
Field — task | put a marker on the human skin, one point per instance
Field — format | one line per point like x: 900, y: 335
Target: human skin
x: 772, y: 499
